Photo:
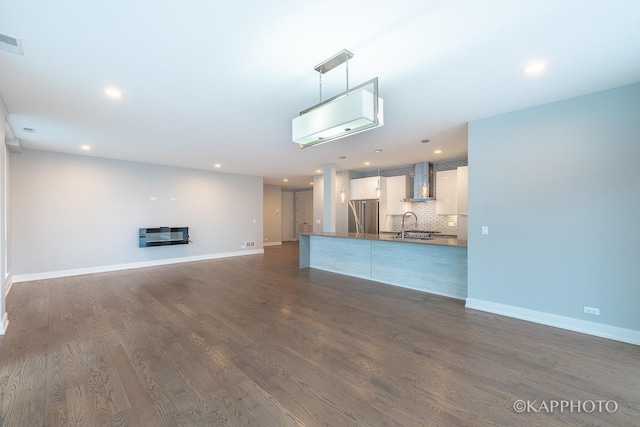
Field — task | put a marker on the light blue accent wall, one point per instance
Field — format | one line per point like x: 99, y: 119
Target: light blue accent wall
x: 559, y: 187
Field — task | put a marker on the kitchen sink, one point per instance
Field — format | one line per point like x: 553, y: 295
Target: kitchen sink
x: 414, y: 237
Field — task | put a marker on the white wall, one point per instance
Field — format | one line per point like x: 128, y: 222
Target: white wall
x: 550, y: 182
x: 5, y: 270
x: 72, y: 212
x: 272, y: 214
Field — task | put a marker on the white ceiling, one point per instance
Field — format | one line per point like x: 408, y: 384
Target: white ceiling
x: 219, y: 81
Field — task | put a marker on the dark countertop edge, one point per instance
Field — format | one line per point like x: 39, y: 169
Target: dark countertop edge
x: 388, y: 238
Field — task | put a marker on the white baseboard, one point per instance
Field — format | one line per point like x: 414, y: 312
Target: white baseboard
x: 7, y: 285
x: 591, y: 328
x: 4, y: 325
x: 116, y: 267
x: 272, y: 244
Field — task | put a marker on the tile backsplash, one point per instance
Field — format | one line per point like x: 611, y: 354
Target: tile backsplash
x: 425, y: 211
x: 427, y: 219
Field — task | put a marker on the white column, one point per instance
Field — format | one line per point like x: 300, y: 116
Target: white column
x: 329, y: 202
x: 5, y: 279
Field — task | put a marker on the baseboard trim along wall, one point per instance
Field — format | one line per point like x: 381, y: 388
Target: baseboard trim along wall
x: 7, y: 285
x: 5, y: 324
x: 272, y: 244
x: 106, y: 268
x: 590, y: 328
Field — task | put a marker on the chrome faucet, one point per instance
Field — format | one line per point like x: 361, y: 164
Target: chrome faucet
x: 404, y: 216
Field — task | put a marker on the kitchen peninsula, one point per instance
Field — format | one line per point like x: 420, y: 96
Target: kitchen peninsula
x: 437, y: 265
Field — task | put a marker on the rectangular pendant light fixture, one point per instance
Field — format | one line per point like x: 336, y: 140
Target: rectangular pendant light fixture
x: 352, y: 111
x: 348, y: 113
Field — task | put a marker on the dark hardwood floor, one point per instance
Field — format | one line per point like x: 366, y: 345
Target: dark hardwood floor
x: 255, y: 341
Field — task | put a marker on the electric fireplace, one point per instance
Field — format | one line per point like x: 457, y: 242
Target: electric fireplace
x: 163, y: 236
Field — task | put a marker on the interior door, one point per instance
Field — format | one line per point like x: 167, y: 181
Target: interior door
x: 304, y: 212
x: 287, y: 216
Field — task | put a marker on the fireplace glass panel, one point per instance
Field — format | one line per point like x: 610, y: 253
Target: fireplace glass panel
x: 162, y: 236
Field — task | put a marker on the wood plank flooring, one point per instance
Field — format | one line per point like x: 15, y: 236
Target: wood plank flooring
x: 256, y: 341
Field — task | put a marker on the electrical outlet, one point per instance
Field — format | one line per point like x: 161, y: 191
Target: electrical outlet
x: 485, y: 229
x: 592, y: 310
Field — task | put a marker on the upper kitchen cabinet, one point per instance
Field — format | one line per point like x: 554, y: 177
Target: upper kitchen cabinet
x: 447, y: 192
x: 397, y: 190
x: 365, y: 188
x: 463, y: 186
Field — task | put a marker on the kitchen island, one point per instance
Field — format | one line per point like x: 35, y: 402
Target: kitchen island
x: 437, y: 265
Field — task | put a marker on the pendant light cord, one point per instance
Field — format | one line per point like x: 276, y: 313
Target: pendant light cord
x: 347, y: 73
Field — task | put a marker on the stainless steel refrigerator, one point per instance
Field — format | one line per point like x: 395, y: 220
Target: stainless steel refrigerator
x: 363, y: 216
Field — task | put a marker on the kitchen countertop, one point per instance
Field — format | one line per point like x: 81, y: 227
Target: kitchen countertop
x: 389, y: 237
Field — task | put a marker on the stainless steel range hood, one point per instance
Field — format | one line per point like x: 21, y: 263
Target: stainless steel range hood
x: 422, y: 183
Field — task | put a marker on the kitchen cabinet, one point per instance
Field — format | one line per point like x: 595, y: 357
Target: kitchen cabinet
x: 365, y: 188
x: 397, y: 190
x: 462, y: 183
x: 447, y: 192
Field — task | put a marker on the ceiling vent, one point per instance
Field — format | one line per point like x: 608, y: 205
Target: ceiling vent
x: 10, y: 44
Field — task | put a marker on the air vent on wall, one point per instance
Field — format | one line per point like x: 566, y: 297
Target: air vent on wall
x: 10, y: 44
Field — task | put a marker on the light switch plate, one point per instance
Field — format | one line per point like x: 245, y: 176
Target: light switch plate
x: 485, y: 229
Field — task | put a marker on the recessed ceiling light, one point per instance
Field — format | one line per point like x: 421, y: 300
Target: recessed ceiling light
x: 379, y: 150
x: 533, y: 68
x: 367, y: 163
x: 113, y: 92
x: 285, y: 180
x: 318, y: 170
x: 217, y: 166
x: 437, y: 151
x: 85, y: 147
x: 311, y: 183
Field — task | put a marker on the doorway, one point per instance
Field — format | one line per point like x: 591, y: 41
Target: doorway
x: 288, y: 234
x: 304, y: 212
